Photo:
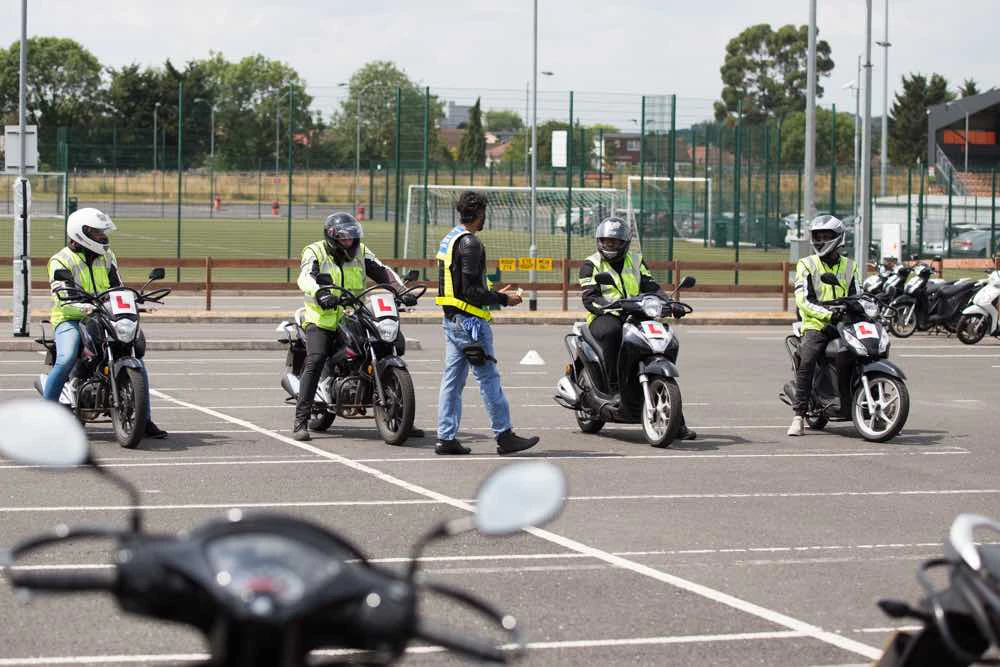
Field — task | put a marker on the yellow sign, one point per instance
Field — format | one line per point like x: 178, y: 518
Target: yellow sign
x: 543, y: 264
x: 525, y: 263
x: 507, y: 263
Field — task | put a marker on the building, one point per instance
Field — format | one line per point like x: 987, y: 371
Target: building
x: 622, y: 149
x: 455, y: 116
x: 962, y: 142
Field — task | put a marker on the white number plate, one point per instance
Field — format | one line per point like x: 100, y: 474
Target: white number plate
x: 122, y: 303
x: 383, y: 305
x: 654, y: 330
x: 865, y: 330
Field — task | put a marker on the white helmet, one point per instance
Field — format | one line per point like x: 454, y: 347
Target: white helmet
x: 827, y: 223
x: 89, y: 228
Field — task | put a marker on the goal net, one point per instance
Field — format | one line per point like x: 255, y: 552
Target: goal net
x: 648, y: 208
x: 507, y: 233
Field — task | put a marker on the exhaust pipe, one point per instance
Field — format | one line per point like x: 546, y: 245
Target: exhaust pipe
x: 567, y: 394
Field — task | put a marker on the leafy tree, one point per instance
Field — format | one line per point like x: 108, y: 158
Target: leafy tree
x: 968, y: 88
x: 766, y: 68
x: 793, y: 137
x: 908, y: 117
x: 472, y: 150
x: 502, y: 119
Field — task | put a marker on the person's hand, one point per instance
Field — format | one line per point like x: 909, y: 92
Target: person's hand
x: 85, y: 308
x: 513, y: 298
x: 408, y: 300
x: 327, y: 299
x: 678, y: 310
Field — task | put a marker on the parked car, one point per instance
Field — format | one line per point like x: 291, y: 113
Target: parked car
x: 973, y: 243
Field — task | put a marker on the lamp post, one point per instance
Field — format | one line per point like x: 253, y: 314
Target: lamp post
x: 156, y: 108
x: 884, y: 150
x: 527, y: 124
x: 211, y: 157
x: 357, y: 140
x: 853, y: 85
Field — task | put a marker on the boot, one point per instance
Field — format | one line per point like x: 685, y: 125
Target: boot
x: 684, y: 433
x: 154, y: 431
x: 416, y: 433
x: 798, y: 426
x: 300, y: 432
x: 450, y: 448
x: 509, y: 442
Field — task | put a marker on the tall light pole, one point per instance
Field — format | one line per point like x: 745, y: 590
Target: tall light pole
x: 21, y: 245
x: 156, y: 108
x: 853, y: 85
x: 884, y: 148
x: 357, y: 139
x: 527, y: 122
x: 861, y: 230
x: 533, y: 249
x: 809, y: 168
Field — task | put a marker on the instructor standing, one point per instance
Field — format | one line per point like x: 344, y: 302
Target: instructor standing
x: 464, y: 293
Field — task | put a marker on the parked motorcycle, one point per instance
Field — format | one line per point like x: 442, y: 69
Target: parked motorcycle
x: 367, y: 377
x: 268, y: 589
x: 980, y: 317
x: 960, y: 621
x: 927, y: 305
x: 891, y: 288
x: 647, y: 390
x: 107, y: 380
x: 879, y: 401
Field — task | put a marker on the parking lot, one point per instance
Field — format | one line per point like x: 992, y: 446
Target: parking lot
x: 742, y: 547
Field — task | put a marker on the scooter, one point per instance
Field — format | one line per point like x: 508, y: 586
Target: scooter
x: 647, y: 390
x: 879, y: 402
x: 930, y: 305
x: 267, y: 590
x: 980, y: 317
x: 960, y: 620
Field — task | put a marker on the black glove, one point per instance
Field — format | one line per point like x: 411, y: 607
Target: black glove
x: 677, y: 310
x: 408, y: 300
x: 327, y: 299
x: 835, y: 315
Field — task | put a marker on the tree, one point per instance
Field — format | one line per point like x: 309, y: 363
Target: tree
x: 766, y: 68
x: 908, y: 117
x: 968, y: 88
x: 793, y: 137
x: 472, y: 150
x: 503, y: 119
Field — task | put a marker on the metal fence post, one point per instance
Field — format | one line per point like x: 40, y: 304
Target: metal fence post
x: 993, y: 212
x: 395, y: 213
x: 909, y: 211
x: 640, y: 222
x: 180, y: 166
x: 736, y: 188
x: 426, y: 148
x: 833, y: 163
x: 920, y: 209
x: 671, y: 186
x: 569, y: 181
x: 948, y: 237
x: 288, y: 232
x: 767, y: 180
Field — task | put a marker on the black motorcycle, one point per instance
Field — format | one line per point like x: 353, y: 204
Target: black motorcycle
x: 269, y: 589
x: 930, y: 306
x: 367, y: 377
x: 960, y: 620
x: 890, y: 285
x: 107, y: 380
x: 647, y: 390
x: 879, y: 402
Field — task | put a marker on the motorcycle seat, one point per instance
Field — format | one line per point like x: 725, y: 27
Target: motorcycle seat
x: 955, y: 288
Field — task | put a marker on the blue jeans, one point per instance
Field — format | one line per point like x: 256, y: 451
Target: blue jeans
x: 67, y: 338
x: 456, y: 370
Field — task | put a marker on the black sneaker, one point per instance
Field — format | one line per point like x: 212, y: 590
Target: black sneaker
x: 686, y: 434
x: 451, y: 448
x: 416, y: 433
x: 154, y: 431
x: 300, y: 432
x: 509, y: 442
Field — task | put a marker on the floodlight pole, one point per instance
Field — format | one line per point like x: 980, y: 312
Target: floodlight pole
x: 21, y: 246
x: 810, y: 161
x: 863, y: 226
x: 884, y: 148
x: 533, y: 249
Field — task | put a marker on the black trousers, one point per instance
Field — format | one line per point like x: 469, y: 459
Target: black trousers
x: 321, y: 344
x: 811, y: 349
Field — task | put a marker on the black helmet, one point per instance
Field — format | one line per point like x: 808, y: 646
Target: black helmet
x: 338, y: 227
x: 613, y: 238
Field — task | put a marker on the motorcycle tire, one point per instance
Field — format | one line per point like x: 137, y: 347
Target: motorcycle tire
x: 971, y: 328
x: 394, y: 418
x: 898, y: 329
x: 660, y: 429
x: 322, y: 422
x: 129, y: 419
x: 893, y: 426
x: 588, y: 424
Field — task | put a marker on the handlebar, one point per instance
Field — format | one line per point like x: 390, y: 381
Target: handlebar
x: 63, y: 583
x: 472, y: 647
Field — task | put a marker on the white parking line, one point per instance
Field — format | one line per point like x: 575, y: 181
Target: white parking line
x: 950, y: 356
x: 573, y: 545
x: 219, y: 506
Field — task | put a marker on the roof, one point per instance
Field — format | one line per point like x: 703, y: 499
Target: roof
x: 496, y: 152
x: 947, y: 113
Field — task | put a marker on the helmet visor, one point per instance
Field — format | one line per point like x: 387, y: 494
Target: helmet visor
x: 96, y: 235
x: 611, y: 246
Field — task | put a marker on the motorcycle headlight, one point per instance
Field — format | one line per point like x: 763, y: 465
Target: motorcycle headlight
x: 388, y: 330
x: 883, y: 340
x: 652, y: 306
x: 871, y: 308
x: 125, y: 330
x: 855, y: 344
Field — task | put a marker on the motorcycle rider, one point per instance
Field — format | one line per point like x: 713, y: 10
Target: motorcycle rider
x: 88, y: 262
x: 347, y: 260
x: 613, y: 238
x: 464, y: 293
x: 828, y: 236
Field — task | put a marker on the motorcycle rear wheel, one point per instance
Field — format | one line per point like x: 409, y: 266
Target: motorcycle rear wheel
x: 971, y: 328
x: 905, y: 322
x: 394, y: 416
x: 129, y: 419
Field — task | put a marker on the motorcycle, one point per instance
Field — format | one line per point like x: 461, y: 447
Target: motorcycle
x: 960, y: 622
x: 268, y: 589
x: 368, y: 372
x: 927, y: 305
x: 647, y: 390
x: 879, y: 400
x: 891, y: 288
x: 980, y: 317
x: 108, y: 380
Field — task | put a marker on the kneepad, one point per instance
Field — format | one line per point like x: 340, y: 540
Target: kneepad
x: 477, y: 355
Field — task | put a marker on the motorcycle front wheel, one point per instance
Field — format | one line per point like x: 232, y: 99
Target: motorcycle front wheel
x: 971, y: 328
x: 129, y: 419
x: 885, y: 418
x: 661, y: 416
x: 905, y: 322
x: 394, y: 414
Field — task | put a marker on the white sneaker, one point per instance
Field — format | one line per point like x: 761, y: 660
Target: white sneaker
x: 797, y: 427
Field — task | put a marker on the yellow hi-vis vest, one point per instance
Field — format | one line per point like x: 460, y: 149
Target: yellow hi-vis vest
x: 812, y: 268
x: 446, y: 288
x: 626, y: 283
x: 350, y: 276
x: 92, y: 279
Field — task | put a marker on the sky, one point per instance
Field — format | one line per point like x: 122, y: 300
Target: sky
x: 464, y: 48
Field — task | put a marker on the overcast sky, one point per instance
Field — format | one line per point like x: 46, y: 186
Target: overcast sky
x: 633, y: 46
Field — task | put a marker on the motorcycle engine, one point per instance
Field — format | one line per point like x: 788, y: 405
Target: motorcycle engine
x: 90, y: 397
x: 353, y: 394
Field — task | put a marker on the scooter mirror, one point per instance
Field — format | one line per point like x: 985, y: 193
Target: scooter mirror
x: 324, y: 279
x: 519, y: 496
x: 412, y: 275
x: 157, y: 274
x: 604, y: 278
x: 688, y: 282
x: 829, y: 279
x: 43, y: 433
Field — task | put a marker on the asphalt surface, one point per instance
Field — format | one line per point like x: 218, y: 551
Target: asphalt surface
x: 742, y: 547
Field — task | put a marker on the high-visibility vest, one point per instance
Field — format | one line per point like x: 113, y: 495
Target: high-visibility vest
x: 446, y: 288
x: 626, y: 283
x: 92, y: 278
x: 350, y: 276
x: 811, y: 268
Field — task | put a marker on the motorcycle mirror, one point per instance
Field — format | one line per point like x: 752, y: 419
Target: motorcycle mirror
x: 829, y: 279
x: 604, y: 278
x: 688, y: 282
x: 412, y: 275
x: 519, y: 496
x: 43, y: 433
x: 324, y: 279
x: 157, y: 274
